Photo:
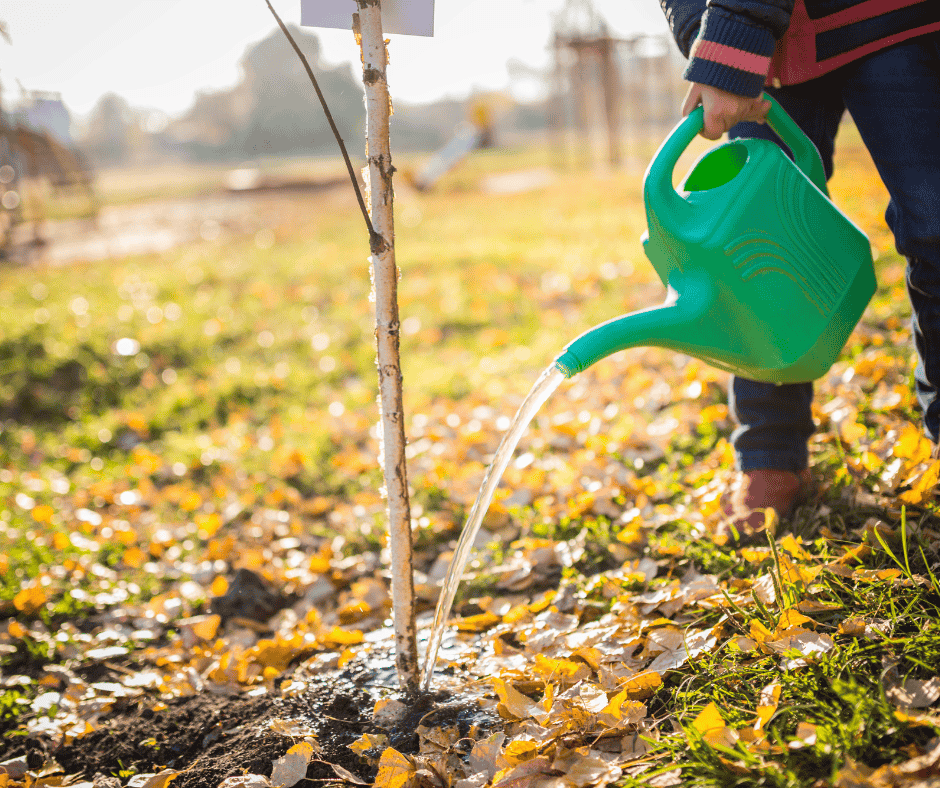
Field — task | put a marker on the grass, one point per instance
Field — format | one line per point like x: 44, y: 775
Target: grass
x: 842, y: 697
x: 165, y: 414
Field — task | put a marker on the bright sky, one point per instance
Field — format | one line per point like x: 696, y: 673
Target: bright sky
x: 159, y: 53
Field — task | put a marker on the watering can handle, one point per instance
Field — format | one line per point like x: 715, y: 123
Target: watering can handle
x: 804, y: 151
x: 658, y: 180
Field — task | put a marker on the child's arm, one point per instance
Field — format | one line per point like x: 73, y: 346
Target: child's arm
x: 729, y: 44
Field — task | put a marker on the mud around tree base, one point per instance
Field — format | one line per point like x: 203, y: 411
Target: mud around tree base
x: 210, y: 737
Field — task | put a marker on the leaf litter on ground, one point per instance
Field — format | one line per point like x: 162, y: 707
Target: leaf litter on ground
x: 601, y: 625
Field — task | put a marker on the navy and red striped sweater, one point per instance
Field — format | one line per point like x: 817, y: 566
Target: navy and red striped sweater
x: 741, y: 45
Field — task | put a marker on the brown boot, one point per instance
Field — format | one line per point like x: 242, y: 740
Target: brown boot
x: 754, y: 493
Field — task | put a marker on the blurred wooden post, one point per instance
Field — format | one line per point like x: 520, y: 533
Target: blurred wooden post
x: 579, y: 79
x: 611, y: 86
x: 558, y: 122
x: 385, y: 281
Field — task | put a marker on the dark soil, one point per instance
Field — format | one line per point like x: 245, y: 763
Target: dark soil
x: 210, y: 737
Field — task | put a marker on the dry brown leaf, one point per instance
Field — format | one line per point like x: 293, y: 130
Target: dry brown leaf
x: 513, y: 704
x: 245, y: 781
x: 805, y: 736
x: 536, y: 773
x: 294, y: 729
x: 800, y: 646
x: 695, y: 642
x: 16, y: 768
x: 665, y: 779
x: 765, y: 589
x: 346, y: 775
x: 591, y: 770
x: 915, y: 693
x: 160, y: 780
x: 592, y: 697
x: 484, y: 754
x: 387, y: 711
x: 291, y: 768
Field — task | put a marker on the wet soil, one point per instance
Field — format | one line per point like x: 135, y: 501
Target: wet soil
x: 210, y: 737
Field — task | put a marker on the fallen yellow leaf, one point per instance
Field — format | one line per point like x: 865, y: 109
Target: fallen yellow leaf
x: 754, y: 555
x: 134, y: 557
x: 519, y: 751
x: 709, y: 719
x: 642, y: 685
x: 395, y: 770
x: 852, y: 431
x: 767, y: 705
x: 797, y: 573
x: 561, y: 671
x: 794, y: 548
x: 30, y: 599
x: 219, y: 586
x: 342, y: 637
x: 912, y: 444
x: 924, y: 485
x: 760, y: 633
x: 792, y: 618
x: 161, y: 780
x: 368, y: 741
x: 477, y: 623
x: 592, y: 656
x: 43, y: 513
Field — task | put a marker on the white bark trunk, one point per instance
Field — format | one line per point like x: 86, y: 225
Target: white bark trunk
x: 385, y: 279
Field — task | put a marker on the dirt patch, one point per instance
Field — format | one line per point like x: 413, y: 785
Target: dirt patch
x: 210, y: 737
x: 160, y: 225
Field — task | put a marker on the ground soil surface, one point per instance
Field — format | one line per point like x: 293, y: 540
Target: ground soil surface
x: 210, y: 737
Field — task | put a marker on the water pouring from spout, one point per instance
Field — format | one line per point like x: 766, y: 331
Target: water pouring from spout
x: 546, y: 384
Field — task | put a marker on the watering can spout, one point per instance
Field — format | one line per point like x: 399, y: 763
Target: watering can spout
x: 669, y: 325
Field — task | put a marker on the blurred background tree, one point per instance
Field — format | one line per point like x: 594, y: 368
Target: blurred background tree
x: 272, y: 110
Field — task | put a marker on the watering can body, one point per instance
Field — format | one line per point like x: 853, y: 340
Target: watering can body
x: 766, y: 278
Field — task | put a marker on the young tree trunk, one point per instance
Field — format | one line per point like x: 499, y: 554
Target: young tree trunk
x: 385, y: 280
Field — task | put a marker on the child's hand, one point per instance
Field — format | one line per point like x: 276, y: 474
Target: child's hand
x: 722, y: 109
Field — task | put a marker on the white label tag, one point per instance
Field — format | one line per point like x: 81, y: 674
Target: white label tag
x: 406, y: 17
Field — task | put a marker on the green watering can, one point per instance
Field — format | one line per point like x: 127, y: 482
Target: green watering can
x: 765, y: 277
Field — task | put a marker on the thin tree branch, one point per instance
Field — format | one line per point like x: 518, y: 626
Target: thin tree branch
x: 376, y: 242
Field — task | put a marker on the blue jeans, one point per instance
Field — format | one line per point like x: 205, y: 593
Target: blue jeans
x: 894, y: 98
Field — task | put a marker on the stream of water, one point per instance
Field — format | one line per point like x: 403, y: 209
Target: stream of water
x: 546, y: 384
